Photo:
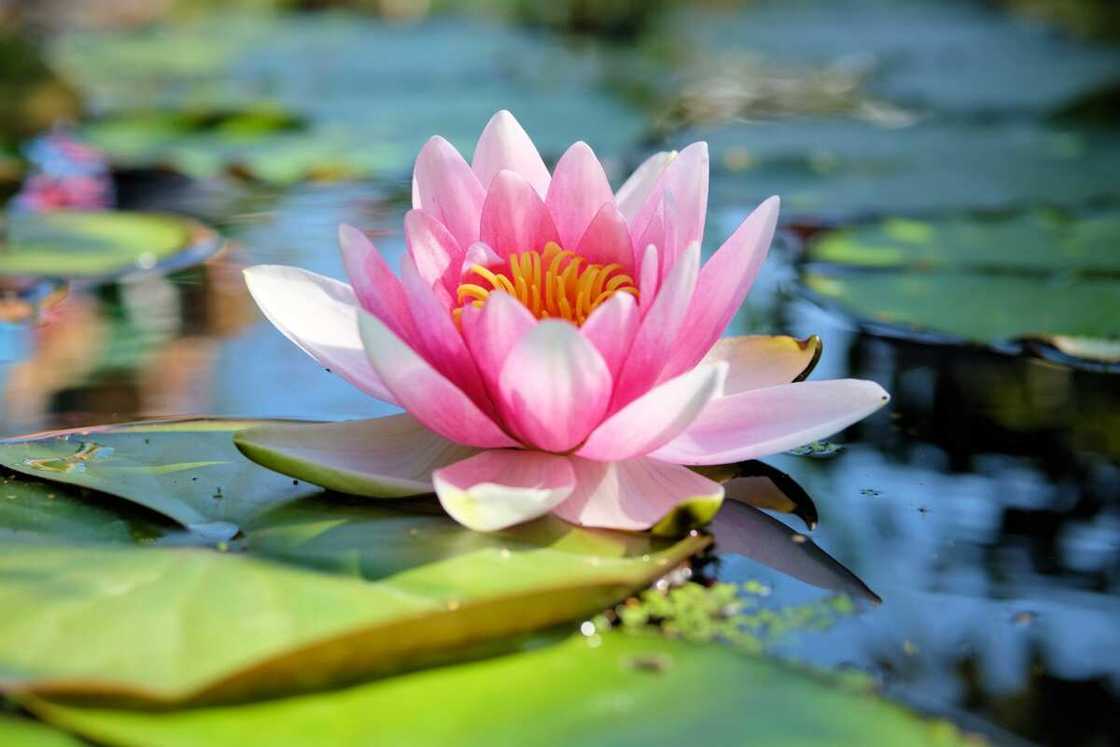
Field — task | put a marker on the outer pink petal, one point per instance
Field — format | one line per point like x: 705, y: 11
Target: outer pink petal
x: 319, y: 315
x: 611, y: 328
x: 514, y: 218
x: 492, y: 331
x: 497, y: 489
x: 424, y: 392
x: 555, y: 386
x: 377, y: 288
x: 578, y: 191
x: 659, y: 331
x: 447, y: 189
x: 632, y: 495
x: 435, y: 251
x: 634, y: 193
x: 655, y: 418
x: 504, y: 145
x: 758, y: 422
x: 686, y: 177
x: 723, y: 284
x: 607, y: 240
x: 440, y: 342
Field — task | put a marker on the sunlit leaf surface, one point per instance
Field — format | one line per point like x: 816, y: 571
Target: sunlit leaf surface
x: 616, y: 689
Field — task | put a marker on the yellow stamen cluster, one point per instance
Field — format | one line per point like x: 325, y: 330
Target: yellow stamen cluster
x: 553, y: 283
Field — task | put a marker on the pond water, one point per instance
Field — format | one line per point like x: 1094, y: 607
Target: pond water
x: 982, y: 506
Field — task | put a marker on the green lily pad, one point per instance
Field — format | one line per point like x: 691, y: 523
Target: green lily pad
x: 167, y: 625
x: 1029, y: 243
x: 997, y: 282
x: 972, y: 307
x: 238, y: 64
x: 22, y: 732
x: 857, y: 169
x: 33, y: 511
x: 99, y: 244
x: 187, y: 470
x: 620, y: 689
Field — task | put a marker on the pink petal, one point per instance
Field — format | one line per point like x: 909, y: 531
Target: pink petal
x: 686, y: 177
x: 759, y: 361
x: 758, y: 422
x: 634, y: 193
x: 504, y: 145
x: 479, y: 254
x: 555, y: 386
x: 435, y: 251
x: 377, y: 288
x: 607, y: 240
x: 578, y: 191
x: 441, y: 343
x: 648, y: 277
x: 659, y: 331
x: 497, y: 489
x: 514, y: 218
x: 319, y: 315
x: 655, y: 418
x: 492, y: 331
x: 387, y: 457
x: 448, y: 190
x: 632, y: 495
x: 611, y: 329
x: 724, y: 282
x: 424, y: 392
x: 657, y: 233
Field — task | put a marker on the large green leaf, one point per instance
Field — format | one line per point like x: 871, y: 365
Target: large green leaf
x: 1032, y: 242
x: 622, y: 690
x: 188, y: 470
x: 164, y: 625
x: 21, y: 732
x: 984, y: 308
x: 33, y: 511
x: 99, y: 244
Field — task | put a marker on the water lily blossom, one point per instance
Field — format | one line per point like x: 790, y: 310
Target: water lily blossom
x: 555, y: 344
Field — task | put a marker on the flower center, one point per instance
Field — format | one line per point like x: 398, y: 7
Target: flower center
x: 553, y: 283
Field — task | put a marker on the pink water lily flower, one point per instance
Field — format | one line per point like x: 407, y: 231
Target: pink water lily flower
x: 554, y: 344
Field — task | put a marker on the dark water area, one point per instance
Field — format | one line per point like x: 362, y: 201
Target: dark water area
x: 982, y: 506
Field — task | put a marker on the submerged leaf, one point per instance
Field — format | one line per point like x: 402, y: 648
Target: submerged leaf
x: 747, y: 531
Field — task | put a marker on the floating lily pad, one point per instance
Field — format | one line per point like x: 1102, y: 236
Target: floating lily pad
x: 259, y: 628
x: 1016, y: 67
x: 100, y: 244
x: 972, y: 307
x: 33, y: 511
x: 244, y: 63
x: 620, y: 689
x: 838, y: 170
x: 187, y: 470
x: 1030, y: 243
x: 991, y: 281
